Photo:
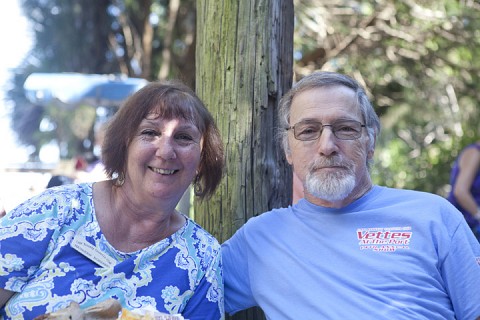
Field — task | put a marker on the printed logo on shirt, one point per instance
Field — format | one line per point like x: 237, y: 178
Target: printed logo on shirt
x: 478, y: 260
x: 388, y: 239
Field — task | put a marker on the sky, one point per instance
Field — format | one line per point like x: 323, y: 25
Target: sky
x: 16, y: 42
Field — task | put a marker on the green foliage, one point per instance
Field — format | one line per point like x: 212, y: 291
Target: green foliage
x: 416, y: 59
x: 71, y: 37
x: 67, y: 38
x: 99, y: 37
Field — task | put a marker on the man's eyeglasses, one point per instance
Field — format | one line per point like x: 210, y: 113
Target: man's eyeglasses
x: 342, y: 129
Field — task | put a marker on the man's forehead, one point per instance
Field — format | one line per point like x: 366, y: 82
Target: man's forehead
x: 325, y: 102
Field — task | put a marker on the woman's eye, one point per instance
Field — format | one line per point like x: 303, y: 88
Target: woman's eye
x: 149, y: 132
x: 184, y: 137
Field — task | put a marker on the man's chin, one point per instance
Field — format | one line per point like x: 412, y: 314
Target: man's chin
x: 329, y: 197
x: 331, y: 189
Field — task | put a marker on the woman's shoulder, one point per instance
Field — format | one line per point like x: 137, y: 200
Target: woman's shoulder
x: 84, y: 187
x: 67, y: 194
x: 199, y: 234
x: 473, y: 148
x: 55, y: 201
x: 200, y: 245
x: 470, y: 155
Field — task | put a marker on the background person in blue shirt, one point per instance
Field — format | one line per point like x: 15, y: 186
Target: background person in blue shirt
x: 349, y: 249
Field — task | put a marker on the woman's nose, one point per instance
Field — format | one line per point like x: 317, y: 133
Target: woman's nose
x: 165, y: 148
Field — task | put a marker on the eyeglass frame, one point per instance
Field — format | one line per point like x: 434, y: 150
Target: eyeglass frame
x: 322, y: 126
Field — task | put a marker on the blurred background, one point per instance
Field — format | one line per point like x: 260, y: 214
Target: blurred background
x: 418, y: 60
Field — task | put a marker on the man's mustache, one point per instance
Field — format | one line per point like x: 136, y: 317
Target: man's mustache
x: 325, y: 162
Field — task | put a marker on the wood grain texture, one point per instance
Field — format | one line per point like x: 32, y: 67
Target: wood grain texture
x: 243, y: 66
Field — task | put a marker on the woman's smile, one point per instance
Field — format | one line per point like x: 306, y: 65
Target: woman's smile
x: 163, y: 171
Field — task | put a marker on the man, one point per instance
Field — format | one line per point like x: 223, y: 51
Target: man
x: 349, y: 249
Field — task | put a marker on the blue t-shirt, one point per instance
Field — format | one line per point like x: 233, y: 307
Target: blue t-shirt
x: 392, y: 254
x: 474, y: 189
x: 52, y: 252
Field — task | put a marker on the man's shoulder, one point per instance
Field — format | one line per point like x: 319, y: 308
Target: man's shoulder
x: 407, y: 193
x: 419, y: 200
x: 271, y: 217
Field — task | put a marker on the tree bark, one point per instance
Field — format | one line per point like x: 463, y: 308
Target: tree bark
x: 167, y: 46
x: 244, y: 64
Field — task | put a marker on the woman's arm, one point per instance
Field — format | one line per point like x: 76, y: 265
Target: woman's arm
x: 469, y: 164
x: 5, y: 295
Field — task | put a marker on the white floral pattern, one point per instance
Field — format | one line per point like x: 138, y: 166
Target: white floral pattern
x: 180, y: 274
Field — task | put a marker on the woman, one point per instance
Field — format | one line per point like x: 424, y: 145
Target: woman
x: 465, y: 182
x: 123, y: 238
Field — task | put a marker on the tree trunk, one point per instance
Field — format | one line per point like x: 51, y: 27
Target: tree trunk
x: 244, y: 65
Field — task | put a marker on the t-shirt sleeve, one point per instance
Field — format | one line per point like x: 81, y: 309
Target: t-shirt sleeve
x: 461, y: 271
x: 207, y: 301
x: 25, y: 234
x: 238, y: 293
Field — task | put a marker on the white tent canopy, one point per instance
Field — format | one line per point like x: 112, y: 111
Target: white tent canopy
x: 72, y: 89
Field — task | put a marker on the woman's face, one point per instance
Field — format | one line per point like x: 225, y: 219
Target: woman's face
x: 163, y: 157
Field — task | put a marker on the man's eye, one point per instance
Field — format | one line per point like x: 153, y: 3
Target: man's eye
x: 345, y: 128
x: 307, y: 130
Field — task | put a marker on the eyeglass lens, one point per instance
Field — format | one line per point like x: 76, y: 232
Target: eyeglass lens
x: 344, y: 130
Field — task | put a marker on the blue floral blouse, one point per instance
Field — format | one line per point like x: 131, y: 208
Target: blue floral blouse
x: 52, y: 252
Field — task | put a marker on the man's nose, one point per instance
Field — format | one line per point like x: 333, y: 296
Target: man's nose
x: 327, y: 142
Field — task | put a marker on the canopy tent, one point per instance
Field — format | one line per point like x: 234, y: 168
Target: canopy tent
x: 69, y: 90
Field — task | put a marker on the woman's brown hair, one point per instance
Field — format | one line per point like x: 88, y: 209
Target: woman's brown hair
x: 169, y: 100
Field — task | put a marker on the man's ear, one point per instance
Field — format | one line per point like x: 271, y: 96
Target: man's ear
x: 288, y: 156
x: 371, y: 149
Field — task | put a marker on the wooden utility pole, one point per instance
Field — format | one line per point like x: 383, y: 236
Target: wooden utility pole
x: 244, y: 64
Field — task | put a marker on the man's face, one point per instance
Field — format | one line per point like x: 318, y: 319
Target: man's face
x: 333, y: 171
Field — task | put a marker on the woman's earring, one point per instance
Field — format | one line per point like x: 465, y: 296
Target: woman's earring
x: 120, y: 180
x: 197, y: 187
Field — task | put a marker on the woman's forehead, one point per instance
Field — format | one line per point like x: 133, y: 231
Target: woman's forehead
x: 173, y: 111
x: 156, y: 119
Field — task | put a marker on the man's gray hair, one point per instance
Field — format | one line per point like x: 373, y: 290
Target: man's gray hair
x: 327, y: 79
